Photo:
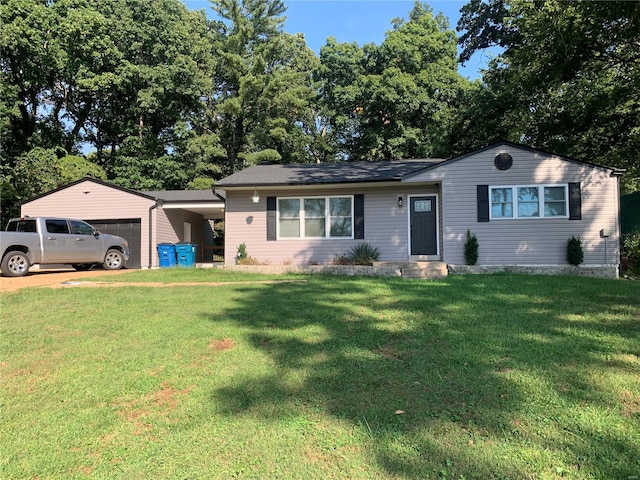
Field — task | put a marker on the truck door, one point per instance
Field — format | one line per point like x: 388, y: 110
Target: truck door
x: 88, y: 247
x: 57, y: 244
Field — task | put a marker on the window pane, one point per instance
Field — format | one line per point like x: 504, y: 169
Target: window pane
x: 555, y: 209
x: 340, y: 207
x: 290, y: 227
x: 289, y: 207
x: 527, y: 194
x: 81, y: 228
x: 499, y: 210
x: 314, y: 207
x: 554, y: 202
x: 528, y: 202
x: 501, y: 195
x: 289, y: 220
x: 341, y: 227
x: 501, y: 203
x: 554, y: 194
x: 57, y: 226
x: 314, y: 227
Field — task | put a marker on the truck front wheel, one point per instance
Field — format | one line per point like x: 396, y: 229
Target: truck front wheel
x: 113, y: 260
x: 15, y: 264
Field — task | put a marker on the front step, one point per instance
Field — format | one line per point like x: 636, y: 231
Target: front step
x: 420, y: 270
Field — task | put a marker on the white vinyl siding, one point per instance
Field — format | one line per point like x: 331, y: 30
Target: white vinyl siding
x: 315, y: 217
x: 528, y: 201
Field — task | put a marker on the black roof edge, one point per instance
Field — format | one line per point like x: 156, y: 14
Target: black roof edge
x: 615, y: 171
x: 346, y: 182
x: 90, y: 179
x: 213, y: 190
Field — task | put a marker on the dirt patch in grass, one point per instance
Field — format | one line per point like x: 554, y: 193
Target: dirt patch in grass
x: 630, y: 404
x: 389, y: 352
x: 161, y: 403
x: 219, y: 345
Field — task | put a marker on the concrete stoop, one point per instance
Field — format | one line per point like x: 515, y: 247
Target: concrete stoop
x: 420, y: 270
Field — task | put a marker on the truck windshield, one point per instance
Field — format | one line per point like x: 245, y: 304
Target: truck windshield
x: 28, y: 226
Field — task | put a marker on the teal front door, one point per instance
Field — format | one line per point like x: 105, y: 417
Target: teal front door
x: 423, y: 226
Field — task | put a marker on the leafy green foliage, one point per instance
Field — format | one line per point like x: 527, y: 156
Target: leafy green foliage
x: 241, y: 252
x: 631, y: 253
x: 260, y: 106
x: 575, y: 252
x: 395, y: 100
x: 471, y: 248
x: 567, y: 80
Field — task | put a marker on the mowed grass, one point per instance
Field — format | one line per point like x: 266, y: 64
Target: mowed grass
x: 476, y: 377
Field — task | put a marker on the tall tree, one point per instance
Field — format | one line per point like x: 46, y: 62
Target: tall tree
x: 80, y: 74
x: 569, y: 77
x: 395, y: 100
x: 261, y: 107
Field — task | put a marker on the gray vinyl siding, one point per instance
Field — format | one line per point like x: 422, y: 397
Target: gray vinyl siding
x: 385, y: 226
x: 170, y: 229
x: 100, y: 202
x: 539, y: 241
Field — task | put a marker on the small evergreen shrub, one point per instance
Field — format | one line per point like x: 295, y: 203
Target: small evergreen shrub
x: 242, y: 252
x: 631, y: 253
x: 575, y: 253
x: 363, y: 254
x: 471, y: 248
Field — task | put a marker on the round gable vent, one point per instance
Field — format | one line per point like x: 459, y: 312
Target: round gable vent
x: 503, y: 161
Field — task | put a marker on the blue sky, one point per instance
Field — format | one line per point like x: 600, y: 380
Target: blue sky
x: 360, y: 21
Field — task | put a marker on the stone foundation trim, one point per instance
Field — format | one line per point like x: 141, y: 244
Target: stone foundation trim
x: 596, y: 271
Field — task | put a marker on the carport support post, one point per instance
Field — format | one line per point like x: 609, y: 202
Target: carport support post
x: 151, y: 209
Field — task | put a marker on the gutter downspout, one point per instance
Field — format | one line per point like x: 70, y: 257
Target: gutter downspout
x: 157, y: 203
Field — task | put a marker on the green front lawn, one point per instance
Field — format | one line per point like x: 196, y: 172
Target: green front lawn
x: 477, y: 377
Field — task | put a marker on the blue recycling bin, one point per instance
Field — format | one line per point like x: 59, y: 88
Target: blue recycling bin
x: 167, y: 255
x: 186, y: 254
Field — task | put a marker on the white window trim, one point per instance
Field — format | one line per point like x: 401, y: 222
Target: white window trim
x: 514, y: 196
x: 327, y: 217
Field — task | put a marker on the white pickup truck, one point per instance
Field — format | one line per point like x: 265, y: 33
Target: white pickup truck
x: 44, y: 240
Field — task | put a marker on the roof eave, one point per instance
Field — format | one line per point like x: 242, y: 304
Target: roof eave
x: 289, y: 185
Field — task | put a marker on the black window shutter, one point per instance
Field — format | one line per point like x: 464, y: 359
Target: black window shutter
x: 483, y: 203
x: 358, y: 216
x: 271, y: 218
x: 575, y: 202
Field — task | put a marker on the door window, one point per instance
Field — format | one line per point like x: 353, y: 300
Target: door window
x: 81, y: 228
x: 57, y: 226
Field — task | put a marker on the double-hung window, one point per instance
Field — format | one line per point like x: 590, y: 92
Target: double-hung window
x: 529, y: 201
x: 315, y: 217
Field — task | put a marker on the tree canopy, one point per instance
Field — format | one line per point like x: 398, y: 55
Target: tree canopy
x: 568, y: 79
x: 394, y: 100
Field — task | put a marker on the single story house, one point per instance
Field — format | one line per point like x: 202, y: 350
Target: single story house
x: 523, y: 204
x: 144, y: 218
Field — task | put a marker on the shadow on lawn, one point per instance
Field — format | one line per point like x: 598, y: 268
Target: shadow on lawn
x: 488, y: 370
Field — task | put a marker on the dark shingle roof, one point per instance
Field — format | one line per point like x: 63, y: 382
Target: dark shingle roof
x: 183, y: 195
x: 324, y: 173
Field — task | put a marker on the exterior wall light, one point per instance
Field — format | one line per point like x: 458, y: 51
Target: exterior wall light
x: 400, y: 201
x: 255, y: 198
